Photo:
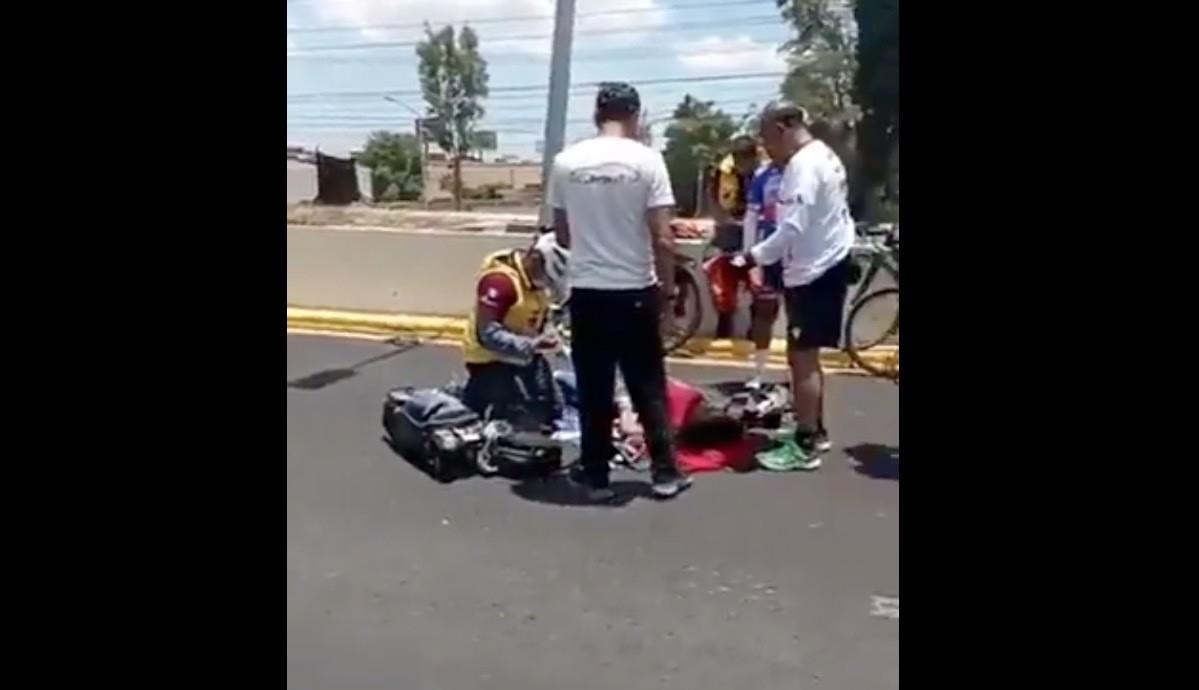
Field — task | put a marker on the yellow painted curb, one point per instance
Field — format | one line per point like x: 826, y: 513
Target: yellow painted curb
x: 449, y: 329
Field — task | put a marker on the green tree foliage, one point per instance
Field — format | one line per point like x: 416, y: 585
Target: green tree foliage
x: 877, y: 87
x: 453, y: 79
x: 698, y: 134
x: 841, y: 80
x: 395, y: 163
x: 821, y: 60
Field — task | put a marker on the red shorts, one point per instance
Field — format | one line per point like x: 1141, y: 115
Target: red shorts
x: 727, y: 279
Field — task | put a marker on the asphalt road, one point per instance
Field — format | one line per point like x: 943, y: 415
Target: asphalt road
x: 755, y: 581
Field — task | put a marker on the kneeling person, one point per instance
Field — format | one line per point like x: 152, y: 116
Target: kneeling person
x: 509, y: 377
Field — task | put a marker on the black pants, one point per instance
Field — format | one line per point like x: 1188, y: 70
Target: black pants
x: 611, y: 328
x: 525, y: 397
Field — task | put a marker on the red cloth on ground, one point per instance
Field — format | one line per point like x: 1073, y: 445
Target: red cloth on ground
x: 682, y: 401
x: 737, y: 456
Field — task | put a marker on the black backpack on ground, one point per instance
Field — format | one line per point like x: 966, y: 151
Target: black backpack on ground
x: 521, y: 455
x: 434, y: 431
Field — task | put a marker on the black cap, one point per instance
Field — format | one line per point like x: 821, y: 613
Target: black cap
x: 616, y: 100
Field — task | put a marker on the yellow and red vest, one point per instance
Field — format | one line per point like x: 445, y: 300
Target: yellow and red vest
x: 526, y: 317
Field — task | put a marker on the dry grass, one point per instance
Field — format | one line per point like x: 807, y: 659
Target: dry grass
x: 405, y: 218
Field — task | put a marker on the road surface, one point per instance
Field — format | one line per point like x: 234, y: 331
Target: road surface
x: 756, y: 581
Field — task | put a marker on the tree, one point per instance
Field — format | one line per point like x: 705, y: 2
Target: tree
x: 696, y: 136
x: 876, y: 86
x: 821, y: 62
x: 842, y: 80
x: 453, y: 80
x: 395, y: 162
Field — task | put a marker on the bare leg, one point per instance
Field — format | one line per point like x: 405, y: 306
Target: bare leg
x: 807, y: 386
x: 763, y: 312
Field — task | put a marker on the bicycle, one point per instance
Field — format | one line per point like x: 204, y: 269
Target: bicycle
x: 686, y: 307
x: 880, y: 307
x: 881, y: 243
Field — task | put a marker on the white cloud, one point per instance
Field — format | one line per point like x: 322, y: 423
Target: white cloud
x: 738, y: 54
x: 371, y: 13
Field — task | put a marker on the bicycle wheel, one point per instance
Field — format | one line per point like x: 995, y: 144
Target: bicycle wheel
x: 878, y: 323
x: 688, y: 309
x: 872, y: 322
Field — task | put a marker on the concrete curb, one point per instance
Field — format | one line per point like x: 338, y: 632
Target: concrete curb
x: 449, y: 329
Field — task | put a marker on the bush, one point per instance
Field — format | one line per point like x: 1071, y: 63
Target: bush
x: 489, y: 192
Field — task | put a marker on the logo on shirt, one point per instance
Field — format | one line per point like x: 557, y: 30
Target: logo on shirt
x: 606, y: 173
x: 491, y: 298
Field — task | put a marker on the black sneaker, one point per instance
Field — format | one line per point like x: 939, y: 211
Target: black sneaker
x: 669, y: 485
x: 594, y: 494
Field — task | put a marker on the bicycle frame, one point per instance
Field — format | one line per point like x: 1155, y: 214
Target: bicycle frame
x: 880, y: 261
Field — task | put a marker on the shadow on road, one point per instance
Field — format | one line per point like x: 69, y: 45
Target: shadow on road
x: 557, y: 490
x: 875, y: 461
x: 328, y: 377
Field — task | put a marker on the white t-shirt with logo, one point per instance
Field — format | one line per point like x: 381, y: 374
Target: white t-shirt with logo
x: 815, y: 229
x: 606, y: 185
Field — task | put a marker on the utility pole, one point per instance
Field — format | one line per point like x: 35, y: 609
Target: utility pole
x: 423, y: 142
x: 555, y: 117
x: 457, y: 154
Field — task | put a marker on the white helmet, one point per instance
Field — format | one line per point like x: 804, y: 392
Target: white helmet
x: 553, y: 260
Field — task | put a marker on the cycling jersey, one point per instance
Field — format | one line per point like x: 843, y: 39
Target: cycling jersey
x: 763, y: 200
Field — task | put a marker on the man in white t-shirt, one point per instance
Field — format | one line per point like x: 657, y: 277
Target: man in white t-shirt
x: 814, y: 236
x: 612, y: 207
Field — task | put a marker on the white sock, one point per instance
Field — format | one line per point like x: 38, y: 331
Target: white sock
x: 760, y: 359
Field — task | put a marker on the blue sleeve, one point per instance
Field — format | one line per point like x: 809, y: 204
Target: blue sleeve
x: 757, y: 188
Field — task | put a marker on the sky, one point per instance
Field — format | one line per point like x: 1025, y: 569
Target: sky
x: 336, y: 95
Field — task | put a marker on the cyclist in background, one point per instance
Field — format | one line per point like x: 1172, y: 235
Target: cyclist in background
x: 728, y: 189
x: 765, y: 282
x: 728, y: 198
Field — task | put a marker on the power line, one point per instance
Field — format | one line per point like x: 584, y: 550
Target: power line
x: 616, y: 55
x: 525, y: 18
x: 542, y: 87
x: 353, y: 111
x: 686, y: 26
x: 501, y: 125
